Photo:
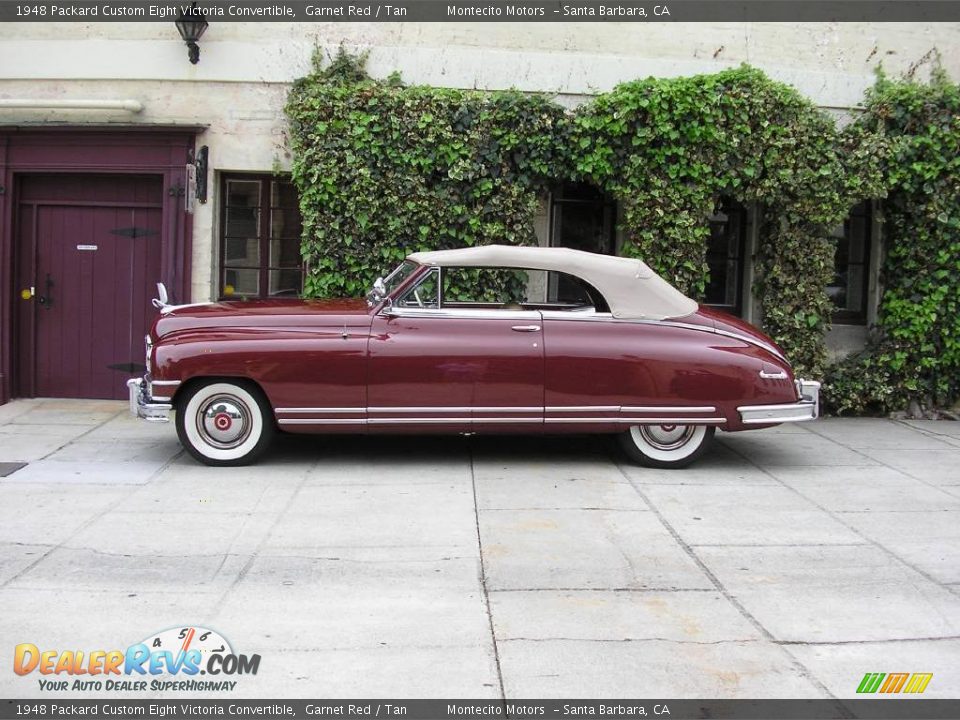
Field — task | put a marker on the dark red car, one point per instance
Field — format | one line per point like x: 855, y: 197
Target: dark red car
x: 480, y: 340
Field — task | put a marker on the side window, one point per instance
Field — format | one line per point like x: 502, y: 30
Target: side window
x: 489, y: 287
x: 424, y: 294
x: 517, y: 289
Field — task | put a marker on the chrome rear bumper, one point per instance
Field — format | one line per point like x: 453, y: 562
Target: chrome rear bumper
x: 807, y: 408
x: 141, y: 405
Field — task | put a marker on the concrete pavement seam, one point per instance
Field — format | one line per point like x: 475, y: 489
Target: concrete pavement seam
x: 255, y: 553
x: 852, y: 528
x: 743, y: 641
x: 817, y: 643
x: 603, y: 589
x: 84, y: 434
x: 805, y: 672
x: 872, y: 460
x: 83, y: 526
x: 483, y: 577
x: 951, y: 440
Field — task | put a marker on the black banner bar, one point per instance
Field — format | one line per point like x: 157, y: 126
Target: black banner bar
x: 489, y: 11
x: 178, y: 709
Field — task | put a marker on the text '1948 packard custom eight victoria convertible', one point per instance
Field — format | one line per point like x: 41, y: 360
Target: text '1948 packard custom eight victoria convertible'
x: 487, y: 339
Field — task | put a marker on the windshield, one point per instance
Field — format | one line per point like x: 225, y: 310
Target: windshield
x: 398, y: 276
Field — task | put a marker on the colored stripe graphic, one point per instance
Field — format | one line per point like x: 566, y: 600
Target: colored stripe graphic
x: 918, y: 682
x: 894, y: 683
x: 870, y: 682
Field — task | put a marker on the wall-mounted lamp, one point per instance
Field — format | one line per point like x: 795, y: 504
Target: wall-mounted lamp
x: 201, y: 163
x: 192, y: 23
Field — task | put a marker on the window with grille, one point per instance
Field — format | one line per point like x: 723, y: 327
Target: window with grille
x: 259, y: 238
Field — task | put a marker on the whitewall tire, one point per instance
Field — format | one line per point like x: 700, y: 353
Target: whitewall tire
x: 224, y: 422
x: 666, y: 446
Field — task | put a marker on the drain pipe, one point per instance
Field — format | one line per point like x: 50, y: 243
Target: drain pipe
x: 131, y: 106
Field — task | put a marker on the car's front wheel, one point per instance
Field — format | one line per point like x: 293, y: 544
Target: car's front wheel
x: 666, y: 446
x: 224, y: 422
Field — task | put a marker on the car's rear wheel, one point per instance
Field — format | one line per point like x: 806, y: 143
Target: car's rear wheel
x: 224, y: 422
x: 666, y: 446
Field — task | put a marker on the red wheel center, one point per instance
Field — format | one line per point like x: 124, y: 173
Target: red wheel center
x: 668, y: 428
x: 222, y: 421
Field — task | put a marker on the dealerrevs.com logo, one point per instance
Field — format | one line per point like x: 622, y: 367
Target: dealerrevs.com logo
x: 169, y: 660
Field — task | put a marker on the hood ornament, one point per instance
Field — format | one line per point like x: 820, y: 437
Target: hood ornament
x: 162, y: 301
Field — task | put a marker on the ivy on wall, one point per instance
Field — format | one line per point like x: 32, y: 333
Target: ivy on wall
x: 668, y: 149
x: 915, y: 352
x: 385, y: 168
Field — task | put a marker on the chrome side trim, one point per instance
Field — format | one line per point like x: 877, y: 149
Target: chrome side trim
x: 165, y: 383
x: 584, y: 408
x: 339, y: 411
x: 464, y: 314
x: 322, y: 421
x: 503, y: 421
x: 498, y: 409
x: 463, y: 409
x: 704, y: 409
x: 726, y: 333
x: 482, y: 420
x: 641, y: 421
x: 453, y: 420
x: 575, y: 315
x: 606, y: 317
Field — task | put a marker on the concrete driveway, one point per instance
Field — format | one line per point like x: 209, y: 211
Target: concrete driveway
x: 787, y: 563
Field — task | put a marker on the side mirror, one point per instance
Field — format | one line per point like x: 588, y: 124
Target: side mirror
x: 388, y: 309
x: 377, y: 292
x: 162, y: 300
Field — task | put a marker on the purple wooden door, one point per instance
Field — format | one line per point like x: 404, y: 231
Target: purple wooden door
x: 90, y: 249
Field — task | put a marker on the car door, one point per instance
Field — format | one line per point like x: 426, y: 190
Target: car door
x: 604, y: 374
x: 454, y: 369
x: 593, y: 368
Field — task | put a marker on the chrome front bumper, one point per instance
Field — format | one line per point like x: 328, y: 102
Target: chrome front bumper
x: 807, y: 408
x: 142, y: 406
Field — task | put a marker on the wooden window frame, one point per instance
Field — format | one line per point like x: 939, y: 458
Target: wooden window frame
x: 264, y: 238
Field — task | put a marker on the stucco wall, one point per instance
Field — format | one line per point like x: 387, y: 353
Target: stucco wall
x: 238, y: 89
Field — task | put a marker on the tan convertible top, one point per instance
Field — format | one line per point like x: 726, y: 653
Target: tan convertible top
x: 631, y: 288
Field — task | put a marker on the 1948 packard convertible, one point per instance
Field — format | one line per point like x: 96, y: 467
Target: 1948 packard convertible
x: 487, y: 339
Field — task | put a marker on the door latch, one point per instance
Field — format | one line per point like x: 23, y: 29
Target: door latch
x: 46, y: 299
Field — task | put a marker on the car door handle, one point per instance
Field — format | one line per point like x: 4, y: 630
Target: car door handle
x: 526, y: 328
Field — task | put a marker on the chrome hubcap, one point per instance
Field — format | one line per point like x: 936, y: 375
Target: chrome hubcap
x: 667, y: 437
x: 224, y: 421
